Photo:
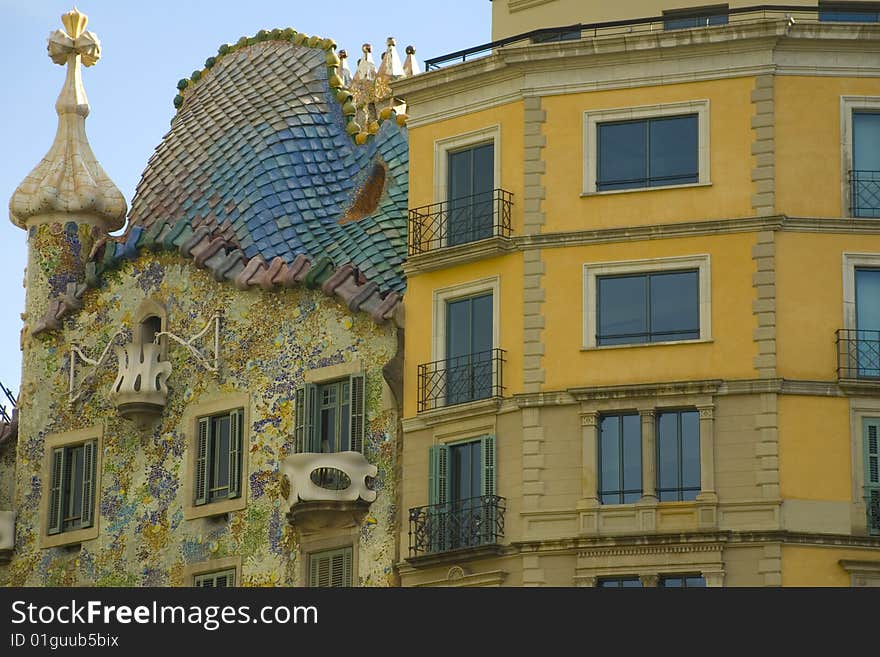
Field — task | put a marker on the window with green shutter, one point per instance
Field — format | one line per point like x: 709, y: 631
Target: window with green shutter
x: 872, y: 473
x: 73, y: 483
x: 219, y: 579
x: 331, y: 568
x: 331, y: 416
x: 218, y: 459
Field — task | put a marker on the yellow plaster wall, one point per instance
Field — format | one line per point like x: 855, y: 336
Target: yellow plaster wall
x: 509, y: 117
x: 420, y: 318
x: 815, y: 456
x: 809, y: 300
x: 729, y: 355
x: 811, y: 106
x: 730, y: 139
x: 818, y: 566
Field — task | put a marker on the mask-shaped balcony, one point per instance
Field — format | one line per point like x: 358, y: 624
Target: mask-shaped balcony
x: 139, y: 391
x: 7, y: 534
x: 327, y: 490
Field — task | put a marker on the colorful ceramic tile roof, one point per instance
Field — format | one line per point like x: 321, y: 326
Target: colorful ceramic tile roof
x: 259, y: 151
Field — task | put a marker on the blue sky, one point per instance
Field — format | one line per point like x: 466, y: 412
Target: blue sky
x: 146, y: 48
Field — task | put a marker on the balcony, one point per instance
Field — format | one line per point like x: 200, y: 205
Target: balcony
x: 7, y: 534
x: 460, y: 221
x: 461, y: 379
x: 864, y: 193
x: 858, y: 355
x: 874, y: 513
x: 327, y: 490
x: 475, y: 525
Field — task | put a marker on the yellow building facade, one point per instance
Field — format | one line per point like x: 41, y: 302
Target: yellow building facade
x: 641, y: 300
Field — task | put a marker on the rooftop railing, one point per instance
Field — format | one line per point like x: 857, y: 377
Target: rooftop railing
x: 652, y: 24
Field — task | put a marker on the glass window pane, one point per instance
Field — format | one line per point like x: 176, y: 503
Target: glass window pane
x: 459, y: 174
x: 850, y: 16
x: 481, y: 329
x: 623, y: 153
x: 673, y: 147
x: 623, y: 312
x: 458, y: 328
x: 222, y: 452
x: 632, y: 458
x: 610, y: 459
x: 695, y: 581
x: 675, y: 306
x: 866, y: 141
x: 868, y: 300
x: 672, y: 582
x: 484, y: 169
x: 667, y: 450
x: 328, y: 429
x: 690, y: 452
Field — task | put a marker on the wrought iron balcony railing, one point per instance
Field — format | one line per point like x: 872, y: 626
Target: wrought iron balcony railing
x: 460, y: 221
x: 858, y: 354
x: 864, y: 193
x: 874, y: 512
x: 469, y: 523
x: 461, y: 379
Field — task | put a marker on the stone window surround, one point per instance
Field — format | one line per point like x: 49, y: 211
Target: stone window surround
x: 443, y: 147
x: 850, y: 262
x: 151, y: 308
x: 713, y: 578
x: 862, y: 573
x: 314, y: 543
x: 648, y: 409
x: 459, y: 291
x: 860, y: 409
x: 191, y: 571
x: 849, y: 104
x: 64, y: 439
x: 208, y: 405
x: 592, y: 119
x: 592, y: 271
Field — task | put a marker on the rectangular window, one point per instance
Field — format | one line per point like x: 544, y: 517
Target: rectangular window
x: 469, y: 356
x: 683, y: 581
x: 331, y: 568
x: 653, y: 307
x: 330, y: 416
x: 872, y: 473
x: 678, y: 455
x: 695, y: 17
x: 220, y: 579
x: 865, y: 173
x: 849, y: 12
x: 463, y: 510
x: 73, y: 482
x: 471, y: 180
x: 620, y: 458
x: 219, y: 457
x: 620, y: 583
x: 653, y: 152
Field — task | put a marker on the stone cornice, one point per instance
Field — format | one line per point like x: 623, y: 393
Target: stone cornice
x: 457, y: 255
x: 672, y: 388
x: 756, y: 47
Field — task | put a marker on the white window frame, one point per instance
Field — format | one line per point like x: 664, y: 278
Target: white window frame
x: 851, y: 261
x: 462, y: 290
x: 443, y: 147
x: 848, y: 105
x: 592, y: 119
x: 592, y: 271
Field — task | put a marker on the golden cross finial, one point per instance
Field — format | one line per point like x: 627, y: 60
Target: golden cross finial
x: 74, y: 40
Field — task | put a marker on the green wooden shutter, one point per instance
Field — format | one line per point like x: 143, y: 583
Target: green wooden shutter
x: 437, y: 475
x: 332, y: 568
x: 236, y: 418
x: 872, y: 472
x: 90, y: 482
x: 304, y: 427
x: 56, y: 493
x: 357, y: 412
x: 201, y: 492
x: 341, y: 568
x: 487, y: 447
x: 489, y: 533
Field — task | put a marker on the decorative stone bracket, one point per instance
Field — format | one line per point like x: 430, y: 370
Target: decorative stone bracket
x: 7, y: 534
x: 303, y: 469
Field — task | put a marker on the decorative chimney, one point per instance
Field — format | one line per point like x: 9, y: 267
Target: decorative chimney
x: 67, y: 202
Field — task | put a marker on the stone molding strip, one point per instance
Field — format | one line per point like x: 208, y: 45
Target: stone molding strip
x: 210, y: 249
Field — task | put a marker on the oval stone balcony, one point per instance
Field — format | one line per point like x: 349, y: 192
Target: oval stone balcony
x: 327, y: 490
